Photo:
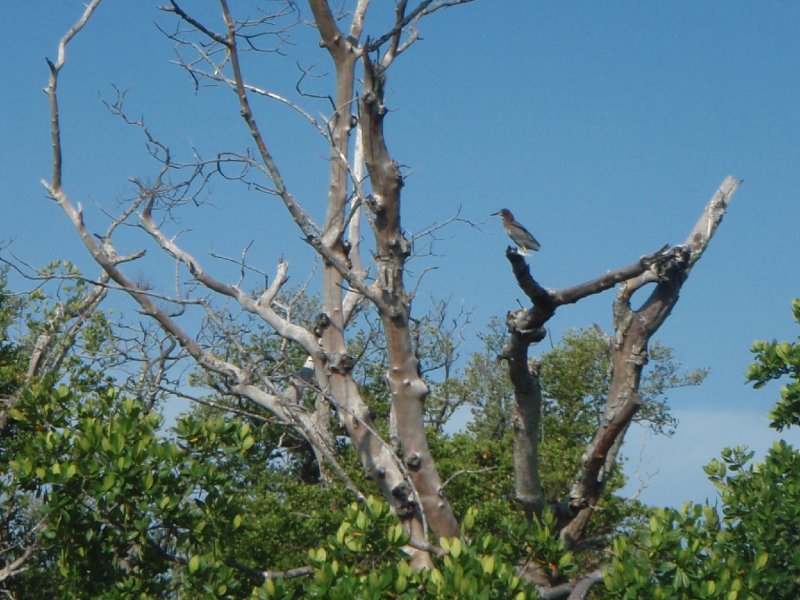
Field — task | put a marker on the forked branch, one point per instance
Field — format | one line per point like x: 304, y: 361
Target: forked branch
x: 632, y: 332
x: 668, y: 268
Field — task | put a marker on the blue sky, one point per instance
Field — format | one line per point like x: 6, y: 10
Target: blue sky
x: 605, y: 127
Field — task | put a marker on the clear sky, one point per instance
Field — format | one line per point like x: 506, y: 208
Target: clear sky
x: 605, y: 127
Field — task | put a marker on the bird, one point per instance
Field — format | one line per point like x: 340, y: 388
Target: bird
x: 518, y: 234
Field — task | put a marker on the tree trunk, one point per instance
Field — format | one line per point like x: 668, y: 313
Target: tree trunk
x: 407, y: 387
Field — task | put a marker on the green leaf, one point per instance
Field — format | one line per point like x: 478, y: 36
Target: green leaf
x: 361, y: 520
x: 565, y: 561
x: 488, y: 564
x: 784, y: 350
x: 395, y: 533
x: 469, y: 520
x: 25, y: 465
x: 680, y: 581
x: 317, y: 554
x: 108, y: 481
x: 117, y: 442
x: 455, y: 547
x: 403, y: 568
x: 194, y: 563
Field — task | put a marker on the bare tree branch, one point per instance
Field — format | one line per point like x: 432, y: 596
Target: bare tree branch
x: 633, y: 330
x: 17, y: 566
x: 357, y: 25
x: 669, y: 268
x: 403, y: 19
x: 461, y: 472
x: 55, y: 68
x: 80, y: 312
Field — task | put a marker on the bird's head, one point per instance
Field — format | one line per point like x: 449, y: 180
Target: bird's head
x: 505, y: 213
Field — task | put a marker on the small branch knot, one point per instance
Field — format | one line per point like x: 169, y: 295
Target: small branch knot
x: 406, y: 505
x: 342, y: 364
x: 534, y: 366
x: 369, y: 98
x: 376, y: 204
x: 414, y: 461
x: 395, y: 312
x: 400, y: 246
x: 321, y: 322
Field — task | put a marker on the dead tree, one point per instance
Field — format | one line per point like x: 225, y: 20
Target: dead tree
x: 363, y: 179
x: 408, y: 479
x: 668, y: 269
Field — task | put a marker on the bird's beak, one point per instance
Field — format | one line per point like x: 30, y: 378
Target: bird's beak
x: 494, y: 214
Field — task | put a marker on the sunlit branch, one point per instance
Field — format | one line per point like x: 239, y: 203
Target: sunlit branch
x: 260, y: 306
x: 357, y: 24
x: 403, y: 19
x: 51, y: 89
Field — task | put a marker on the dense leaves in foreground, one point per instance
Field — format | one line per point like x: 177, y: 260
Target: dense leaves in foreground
x: 126, y: 511
x: 110, y: 503
x: 775, y: 361
x: 749, y: 545
x: 365, y: 559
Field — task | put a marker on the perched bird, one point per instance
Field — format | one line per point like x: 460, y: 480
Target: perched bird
x: 518, y: 234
